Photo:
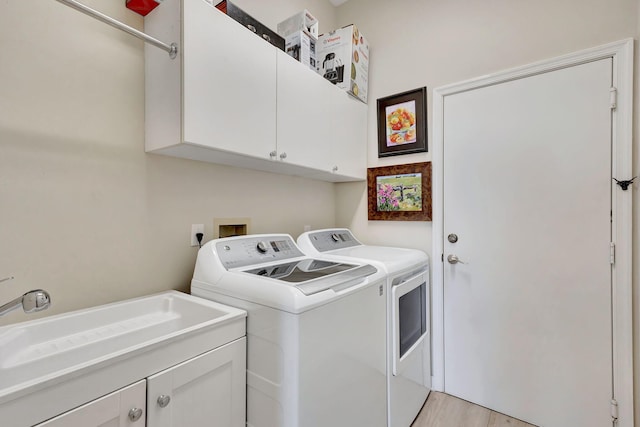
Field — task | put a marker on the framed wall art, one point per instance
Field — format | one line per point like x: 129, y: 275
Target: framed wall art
x: 400, y: 192
x: 402, y: 123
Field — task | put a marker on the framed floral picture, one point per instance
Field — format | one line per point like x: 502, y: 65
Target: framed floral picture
x: 400, y: 192
x: 402, y: 123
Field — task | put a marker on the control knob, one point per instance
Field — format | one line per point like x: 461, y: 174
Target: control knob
x: 335, y: 237
x: 262, y: 247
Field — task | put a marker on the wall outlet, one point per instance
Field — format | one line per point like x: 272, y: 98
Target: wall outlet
x: 195, y: 229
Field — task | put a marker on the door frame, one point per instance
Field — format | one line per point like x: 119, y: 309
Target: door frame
x: 621, y: 201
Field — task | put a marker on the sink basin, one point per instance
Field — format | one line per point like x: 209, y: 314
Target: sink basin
x: 39, y: 354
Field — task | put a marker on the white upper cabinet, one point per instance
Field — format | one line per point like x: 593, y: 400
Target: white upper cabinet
x: 232, y: 98
x: 304, y: 102
x: 346, y: 123
x: 229, y: 95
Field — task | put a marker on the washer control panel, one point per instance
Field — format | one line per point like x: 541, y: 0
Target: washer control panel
x: 329, y: 240
x: 250, y: 250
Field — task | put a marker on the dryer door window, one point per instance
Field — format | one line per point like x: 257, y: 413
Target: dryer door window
x: 409, y: 318
x: 412, y: 317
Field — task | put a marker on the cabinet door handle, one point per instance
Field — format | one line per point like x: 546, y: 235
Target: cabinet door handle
x: 335, y: 169
x: 135, y: 414
x: 163, y: 400
x: 283, y: 156
x: 266, y: 37
x: 252, y: 28
x: 273, y: 154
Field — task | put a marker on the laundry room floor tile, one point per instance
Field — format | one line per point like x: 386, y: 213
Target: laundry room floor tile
x: 443, y: 410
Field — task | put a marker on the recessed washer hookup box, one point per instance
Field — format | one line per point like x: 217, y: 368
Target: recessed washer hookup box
x: 343, y: 59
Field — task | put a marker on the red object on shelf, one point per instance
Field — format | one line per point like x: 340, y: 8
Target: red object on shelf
x: 143, y: 7
x: 222, y: 6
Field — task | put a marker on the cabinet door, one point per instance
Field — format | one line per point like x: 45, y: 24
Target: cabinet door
x: 304, y: 132
x: 229, y: 83
x: 111, y: 410
x: 350, y: 144
x: 208, y: 390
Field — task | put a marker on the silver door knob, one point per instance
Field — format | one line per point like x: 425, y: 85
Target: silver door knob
x: 453, y: 259
x: 163, y: 400
x: 135, y: 414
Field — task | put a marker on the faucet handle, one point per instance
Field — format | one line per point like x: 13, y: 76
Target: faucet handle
x: 6, y: 279
x: 36, y: 300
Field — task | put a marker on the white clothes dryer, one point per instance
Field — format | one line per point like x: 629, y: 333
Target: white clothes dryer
x: 408, y: 310
x: 316, y: 341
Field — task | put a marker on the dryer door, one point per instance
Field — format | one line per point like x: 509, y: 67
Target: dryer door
x: 410, y: 324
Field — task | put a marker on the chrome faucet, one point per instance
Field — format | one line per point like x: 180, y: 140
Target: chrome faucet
x: 31, y: 302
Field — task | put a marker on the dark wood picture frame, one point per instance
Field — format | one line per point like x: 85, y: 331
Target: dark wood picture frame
x: 402, y: 123
x: 390, y: 182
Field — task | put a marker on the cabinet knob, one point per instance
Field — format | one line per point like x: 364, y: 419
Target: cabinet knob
x: 252, y: 28
x: 273, y: 154
x: 283, y: 156
x: 335, y: 169
x: 135, y: 414
x: 163, y: 400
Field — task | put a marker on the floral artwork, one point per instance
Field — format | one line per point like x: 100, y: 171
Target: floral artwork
x: 400, y: 192
x: 402, y: 123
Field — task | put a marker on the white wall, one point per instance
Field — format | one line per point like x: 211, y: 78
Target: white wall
x: 84, y: 212
x: 431, y: 43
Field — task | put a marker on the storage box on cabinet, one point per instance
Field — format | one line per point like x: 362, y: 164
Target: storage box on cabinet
x: 219, y: 100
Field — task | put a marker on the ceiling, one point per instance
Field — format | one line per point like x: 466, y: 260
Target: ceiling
x: 337, y: 2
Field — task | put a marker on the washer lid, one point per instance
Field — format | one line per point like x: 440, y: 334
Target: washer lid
x: 311, y: 276
x: 339, y: 244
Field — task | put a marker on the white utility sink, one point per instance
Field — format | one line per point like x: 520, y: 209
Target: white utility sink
x: 127, y: 340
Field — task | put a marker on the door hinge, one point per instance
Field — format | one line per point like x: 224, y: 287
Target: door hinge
x: 614, y: 409
x: 612, y: 252
x: 613, y: 98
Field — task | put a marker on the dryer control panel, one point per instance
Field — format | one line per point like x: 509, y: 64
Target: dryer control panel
x: 329, y: 240
x: 241, y: 251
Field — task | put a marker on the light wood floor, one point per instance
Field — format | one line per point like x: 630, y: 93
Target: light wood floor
x: 442, y: 410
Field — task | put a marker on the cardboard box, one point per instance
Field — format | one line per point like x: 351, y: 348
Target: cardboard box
x: 252, y: 24
x: 343, y: 59
x: 302, y: 46
x: 302, y: 21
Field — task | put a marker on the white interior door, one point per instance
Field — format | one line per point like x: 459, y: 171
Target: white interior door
x: 526, y: 188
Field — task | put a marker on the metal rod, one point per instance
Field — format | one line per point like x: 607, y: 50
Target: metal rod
x: 172, y: 48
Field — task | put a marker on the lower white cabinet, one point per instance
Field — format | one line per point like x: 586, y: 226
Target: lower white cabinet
x: 125, y: 407
x: 207, y: 390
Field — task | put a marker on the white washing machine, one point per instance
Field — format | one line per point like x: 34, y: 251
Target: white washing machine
x: 316, y: 341
x: 408, y: 308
